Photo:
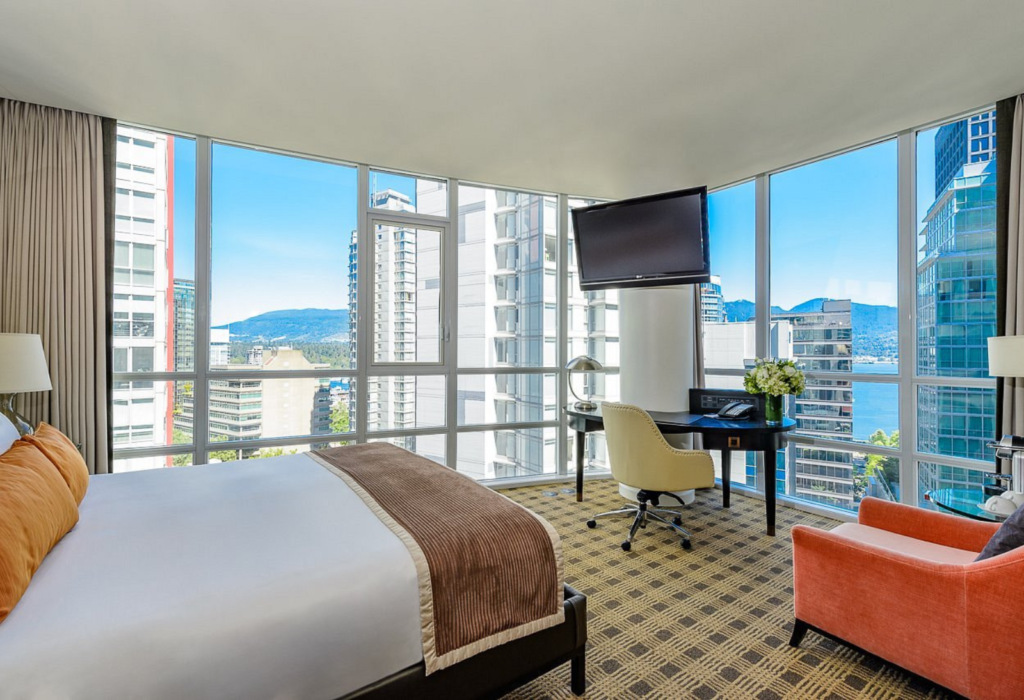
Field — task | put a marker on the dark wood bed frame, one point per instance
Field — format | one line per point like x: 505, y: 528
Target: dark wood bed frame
x: 497, y: 671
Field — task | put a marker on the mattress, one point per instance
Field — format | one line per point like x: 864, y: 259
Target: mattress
x: 265, y: 578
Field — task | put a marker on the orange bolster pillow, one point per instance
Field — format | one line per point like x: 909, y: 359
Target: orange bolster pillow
x: 36, y: 511
x: 65, y: 456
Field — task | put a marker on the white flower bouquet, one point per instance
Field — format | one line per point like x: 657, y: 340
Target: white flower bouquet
x: 774, y: 377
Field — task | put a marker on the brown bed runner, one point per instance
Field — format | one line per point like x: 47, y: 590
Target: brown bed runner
x: 489, y: 570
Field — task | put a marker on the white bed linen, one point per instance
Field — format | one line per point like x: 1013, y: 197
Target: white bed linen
x: 260, y: 579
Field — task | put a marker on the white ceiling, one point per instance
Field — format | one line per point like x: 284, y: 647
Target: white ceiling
x: 604, y: 98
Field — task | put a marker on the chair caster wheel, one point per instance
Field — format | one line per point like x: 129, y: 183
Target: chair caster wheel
x: 626, y: 546
x: 686, y: 545
x: 591, y: 524
x: 677, y: 520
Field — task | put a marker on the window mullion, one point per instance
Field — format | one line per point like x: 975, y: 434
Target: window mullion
x: 203, y: 260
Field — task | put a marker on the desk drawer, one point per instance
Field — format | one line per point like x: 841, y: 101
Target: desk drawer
x: 744, y: 440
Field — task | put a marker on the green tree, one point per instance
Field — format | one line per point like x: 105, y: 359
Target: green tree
x: 888, y: 466
x: 340, y: 421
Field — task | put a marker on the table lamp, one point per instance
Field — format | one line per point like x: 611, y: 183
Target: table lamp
x: 583, y: 363
x: 22, y: 369
x: 1006, y: 359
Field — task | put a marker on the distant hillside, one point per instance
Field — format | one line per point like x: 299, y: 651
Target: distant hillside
x: 292, y: 325
x: 874, y: 327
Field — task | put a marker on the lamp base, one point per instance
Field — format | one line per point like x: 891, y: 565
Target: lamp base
x: 585, y: 406
x: 21, y: 424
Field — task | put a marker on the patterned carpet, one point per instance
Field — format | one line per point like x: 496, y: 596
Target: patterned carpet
x: 713, y: 622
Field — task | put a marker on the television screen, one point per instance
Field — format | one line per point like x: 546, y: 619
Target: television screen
x: 648, y: 241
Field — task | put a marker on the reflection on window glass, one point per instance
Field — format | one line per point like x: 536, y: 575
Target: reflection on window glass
x: 507, y: 290
x: 408, y: 193
x: 593, y: 316
x: 501, y: 454
x: 727, y: 301
x: 283, y: 261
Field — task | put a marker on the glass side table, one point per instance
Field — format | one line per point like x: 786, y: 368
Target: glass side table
x: 966, y: 502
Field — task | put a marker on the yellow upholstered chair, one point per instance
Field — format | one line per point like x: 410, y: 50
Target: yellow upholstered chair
x: 642, y: 459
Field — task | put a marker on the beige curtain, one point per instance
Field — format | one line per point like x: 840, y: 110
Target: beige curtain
x: 1013, y: 389
x: 52, y: 263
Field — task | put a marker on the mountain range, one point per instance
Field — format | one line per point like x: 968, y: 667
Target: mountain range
x: 292, y: 325
x: 875, y: 328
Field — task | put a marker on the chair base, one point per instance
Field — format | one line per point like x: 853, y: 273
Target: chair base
x: 643, y: 513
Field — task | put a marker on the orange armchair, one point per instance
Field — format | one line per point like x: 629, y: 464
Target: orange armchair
x: 902, y: 584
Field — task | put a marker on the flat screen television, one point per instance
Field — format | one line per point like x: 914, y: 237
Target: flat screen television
x: 657, y: 240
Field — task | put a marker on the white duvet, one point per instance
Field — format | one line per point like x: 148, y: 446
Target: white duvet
x: 260, y: 579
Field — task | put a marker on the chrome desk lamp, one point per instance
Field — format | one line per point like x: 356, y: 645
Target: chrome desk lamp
x: 583, y: 363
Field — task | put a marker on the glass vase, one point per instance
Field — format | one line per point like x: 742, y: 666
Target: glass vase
x: 773, y: 409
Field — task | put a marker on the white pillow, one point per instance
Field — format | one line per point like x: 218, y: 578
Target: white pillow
x: 8, y: 434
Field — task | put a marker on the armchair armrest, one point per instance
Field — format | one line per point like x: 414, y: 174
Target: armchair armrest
x: 926, y: 525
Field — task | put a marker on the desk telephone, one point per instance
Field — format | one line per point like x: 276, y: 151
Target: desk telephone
x: 737, y: 410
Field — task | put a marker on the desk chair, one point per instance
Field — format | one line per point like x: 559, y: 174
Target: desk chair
x: 642, y: 459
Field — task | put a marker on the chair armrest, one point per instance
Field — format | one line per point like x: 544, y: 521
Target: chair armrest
x: 926, y: 525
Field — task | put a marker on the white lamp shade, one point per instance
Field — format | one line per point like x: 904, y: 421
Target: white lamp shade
x: 1006, y: 356
x: 22, y: 364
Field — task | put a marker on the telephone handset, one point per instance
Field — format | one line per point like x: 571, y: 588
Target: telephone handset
x: 736, y: 410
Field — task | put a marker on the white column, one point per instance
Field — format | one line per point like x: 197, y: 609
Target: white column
x: 656, y: 347
x: 656, y: 355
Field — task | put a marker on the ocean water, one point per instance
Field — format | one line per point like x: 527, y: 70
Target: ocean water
x: 875, y: 405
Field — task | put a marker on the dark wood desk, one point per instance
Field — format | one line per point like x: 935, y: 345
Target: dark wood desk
x: 752, y: 436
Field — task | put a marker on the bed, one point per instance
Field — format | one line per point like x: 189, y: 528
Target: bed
x: 265, y: 578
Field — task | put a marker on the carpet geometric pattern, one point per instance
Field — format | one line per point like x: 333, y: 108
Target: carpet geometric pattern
x: 712, y: 622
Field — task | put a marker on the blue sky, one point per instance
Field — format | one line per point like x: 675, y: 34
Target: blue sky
x: 281, y: 228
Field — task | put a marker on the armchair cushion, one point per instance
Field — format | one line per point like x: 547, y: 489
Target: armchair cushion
x: 1008, y: 537
x: 919, y: 549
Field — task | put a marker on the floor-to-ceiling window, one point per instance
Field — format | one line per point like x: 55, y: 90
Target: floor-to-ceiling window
x: 834, y: 296
x: 955, y: 302
x: 592, y: 320
x: 154, y: 302
x: 266, y: 303
x: 728, y: 309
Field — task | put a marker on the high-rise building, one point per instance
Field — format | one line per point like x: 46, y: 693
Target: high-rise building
x: 184, y: 329
x: 956, y: 308
x: 712, y: 303
x: 142, y: 322
x: 971, y: 140
x: 507, y: 300
x: 823, y: 342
